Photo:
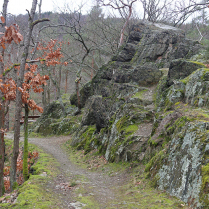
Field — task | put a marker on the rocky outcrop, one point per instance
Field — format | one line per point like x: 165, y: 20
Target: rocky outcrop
x: 126, y: 120
x: 52, y: 121
x: 149, y: 47
x: 181, y: 68
x: 179, y: 168
x: 119, y: 116
x: 180, y: 140
x: 158, y: 43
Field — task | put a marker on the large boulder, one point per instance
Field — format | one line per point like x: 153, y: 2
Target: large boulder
x: 149, y: 47
x: 53, y: 121
x: 180, y: 162
x: 181, y: 68
x: 159, y: 43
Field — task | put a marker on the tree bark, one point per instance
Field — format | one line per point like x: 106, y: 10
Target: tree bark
x: 44, y: 95
x: 7, y: 115
x: 77, y: 81
x: 66, y: 81
x: 2, y: 110
x: 59, y: 94
x: 19, y: 95
x: 25, y: 151
x: 48, y: 92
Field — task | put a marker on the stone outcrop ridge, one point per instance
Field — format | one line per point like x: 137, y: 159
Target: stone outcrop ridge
x: 157, y: 43
x: 149, y: 48
x: 125, y: 120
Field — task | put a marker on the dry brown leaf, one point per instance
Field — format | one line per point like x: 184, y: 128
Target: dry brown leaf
x: 2, y: 19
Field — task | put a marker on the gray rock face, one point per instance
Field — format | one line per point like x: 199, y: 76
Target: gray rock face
x: 149, y: 47
x: 180, y: 69
x: 197, y: 87
x: 156, y: 43
x: 192, y: 90
x: 180, y: 174
x: 147, y: 74
x: 118, y: 116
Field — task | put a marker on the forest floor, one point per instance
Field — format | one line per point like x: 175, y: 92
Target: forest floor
x: 87, y: 181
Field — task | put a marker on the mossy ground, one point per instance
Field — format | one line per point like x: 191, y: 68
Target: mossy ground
x: 33, y: 193
x: 134, y: 192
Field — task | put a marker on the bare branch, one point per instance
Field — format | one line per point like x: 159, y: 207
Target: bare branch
x: 38, y: 21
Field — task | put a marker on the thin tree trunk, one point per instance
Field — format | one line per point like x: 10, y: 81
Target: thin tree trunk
x: 25, y: 151
x: 66, y: 81
x: 124, y: 27
x: 7, y: 116
x: 92, y: 66
x: 48, y: 92
x: 77, y: 81
x: 2, y: 109
x: 59, y: 94
x: 19, y: 95
x: 60, y: 75
x: 44, y: 95
x: 2, y: 150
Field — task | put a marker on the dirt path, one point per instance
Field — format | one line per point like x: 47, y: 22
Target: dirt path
x: 96, y: 184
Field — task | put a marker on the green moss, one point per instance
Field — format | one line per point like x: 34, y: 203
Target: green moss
x: 139, y: 94
x: 154, y: 127
x: 161, y: 93
x: 205, y: 75
x: 33, y: 194
x: 152, y: 143
x: 122, y: 123
x: 198, y: 63
x: 185, y: 80
x: 87, y: 139
x: 156, y: 161
x: 131, y: 128
x: 15, y: 185
x: 89, y: 202
x: 205, y: 185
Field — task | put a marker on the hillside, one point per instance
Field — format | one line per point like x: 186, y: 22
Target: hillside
x: 149, y: 105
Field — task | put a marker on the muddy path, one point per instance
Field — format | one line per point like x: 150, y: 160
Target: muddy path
x: 100, y: 186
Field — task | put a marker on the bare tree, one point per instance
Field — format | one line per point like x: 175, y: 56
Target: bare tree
x: 119, y: 4
x: 155, y: 10
x: 27, y: 39
x: 181, y: 11
x: 2, y: 108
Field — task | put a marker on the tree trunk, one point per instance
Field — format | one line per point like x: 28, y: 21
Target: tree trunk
x: 77, y: 81
x: 44, y: 95
x: 19, y: 95
x: 7, y: 116
x: 60, y: 75
x: 59, y: 94
x: 48, y: 92
x: 2, y: 148
x: 2, y: 109
x: 66, y: 82
x: 25, y: 151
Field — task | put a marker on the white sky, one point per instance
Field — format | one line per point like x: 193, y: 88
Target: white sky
x: 19, y: 6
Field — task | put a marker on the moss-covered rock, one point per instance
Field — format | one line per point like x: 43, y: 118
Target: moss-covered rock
x: 180, y: 155
x: 181, y: 68
x: 52, y: 120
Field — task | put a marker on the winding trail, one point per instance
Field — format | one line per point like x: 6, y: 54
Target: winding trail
x: 98, y: 184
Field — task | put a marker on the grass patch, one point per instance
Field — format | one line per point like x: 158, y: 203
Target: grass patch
x: 134, y: 192
x: 34, y: 193
x: 139, y: 94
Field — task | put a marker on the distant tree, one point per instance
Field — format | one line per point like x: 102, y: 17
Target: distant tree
x: 119, y: 5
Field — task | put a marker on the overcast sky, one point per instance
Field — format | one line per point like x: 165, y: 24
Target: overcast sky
x: 20, y: 6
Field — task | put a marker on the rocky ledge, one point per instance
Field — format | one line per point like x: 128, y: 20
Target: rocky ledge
x: 149, y: 104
